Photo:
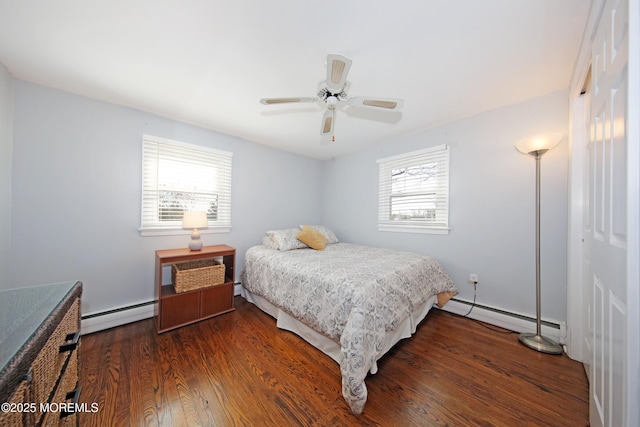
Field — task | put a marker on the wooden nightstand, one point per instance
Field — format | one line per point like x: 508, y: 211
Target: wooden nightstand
x: 174, y: 310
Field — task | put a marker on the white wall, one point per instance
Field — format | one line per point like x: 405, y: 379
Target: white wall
x: 492, y: 199
x: 6, y: 129
x: 76, y: 199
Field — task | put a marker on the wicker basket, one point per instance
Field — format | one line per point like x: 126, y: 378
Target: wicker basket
x: 192, y: 275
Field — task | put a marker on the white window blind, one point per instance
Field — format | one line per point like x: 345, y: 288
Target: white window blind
x: 177, y: 177
x: 413, y: 192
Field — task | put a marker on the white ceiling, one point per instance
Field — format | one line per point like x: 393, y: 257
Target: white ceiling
x: 209, y: 62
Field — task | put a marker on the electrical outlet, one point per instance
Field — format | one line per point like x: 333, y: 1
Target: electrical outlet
x: 473, y: 278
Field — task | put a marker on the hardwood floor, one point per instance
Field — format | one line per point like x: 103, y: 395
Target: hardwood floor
x: 238, y: 369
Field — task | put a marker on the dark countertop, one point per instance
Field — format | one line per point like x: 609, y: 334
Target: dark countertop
x: 27, y: 317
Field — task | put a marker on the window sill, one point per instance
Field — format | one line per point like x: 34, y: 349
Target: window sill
x: 147, y: 232
x: 418, y: 229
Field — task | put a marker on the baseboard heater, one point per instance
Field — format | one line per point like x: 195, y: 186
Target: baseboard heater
x: 118, y: 310
x: 117, y: 316
x: 506, y: 319
x: 507, y: 313
x: 106, y: 319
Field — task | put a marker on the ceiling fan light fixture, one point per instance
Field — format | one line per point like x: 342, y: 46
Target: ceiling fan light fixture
x: 332, y: 101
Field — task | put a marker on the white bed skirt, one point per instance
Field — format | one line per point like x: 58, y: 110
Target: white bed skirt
x: 327, y: 345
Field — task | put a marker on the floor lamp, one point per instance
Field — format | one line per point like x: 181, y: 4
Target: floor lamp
x: 536, y: 147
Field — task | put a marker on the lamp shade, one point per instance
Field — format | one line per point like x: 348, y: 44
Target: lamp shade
x: 538, y: 143
x: 194, y: 219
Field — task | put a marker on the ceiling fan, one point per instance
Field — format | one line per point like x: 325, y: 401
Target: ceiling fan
x: 332, y: 93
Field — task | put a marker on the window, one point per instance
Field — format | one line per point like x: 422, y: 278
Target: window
x: 414, y: 192
x: 177, y: 177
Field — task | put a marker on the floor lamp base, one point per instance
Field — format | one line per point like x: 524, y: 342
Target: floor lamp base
x: 540, y: 343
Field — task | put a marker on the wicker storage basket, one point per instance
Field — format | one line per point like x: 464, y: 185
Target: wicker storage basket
x: 192, y: 275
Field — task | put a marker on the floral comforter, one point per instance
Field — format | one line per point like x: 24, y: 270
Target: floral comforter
x: 349, y: 293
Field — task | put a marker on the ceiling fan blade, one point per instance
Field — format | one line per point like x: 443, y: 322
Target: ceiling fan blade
x: 386, y: 103
x: 337, y: 70
x: 327, y: 122
x: 272, y: 101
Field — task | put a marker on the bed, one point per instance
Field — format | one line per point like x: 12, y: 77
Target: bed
x: 352, y: 302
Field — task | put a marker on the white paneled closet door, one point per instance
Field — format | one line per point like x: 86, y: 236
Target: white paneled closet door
x: 607, y: 239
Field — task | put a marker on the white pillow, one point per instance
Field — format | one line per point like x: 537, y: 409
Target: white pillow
x: 286, y: 240
x: 269, y: 243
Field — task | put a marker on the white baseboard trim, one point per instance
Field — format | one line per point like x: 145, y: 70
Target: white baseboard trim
x: 105, y: 319
x: 517, y: 322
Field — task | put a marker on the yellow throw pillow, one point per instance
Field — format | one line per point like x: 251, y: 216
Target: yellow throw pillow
x: 312, y: 238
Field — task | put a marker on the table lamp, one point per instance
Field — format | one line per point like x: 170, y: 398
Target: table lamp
x: 194, y: 220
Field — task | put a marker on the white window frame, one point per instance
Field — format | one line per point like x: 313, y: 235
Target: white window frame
x: 439, y: 223
x: 155, y: 149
